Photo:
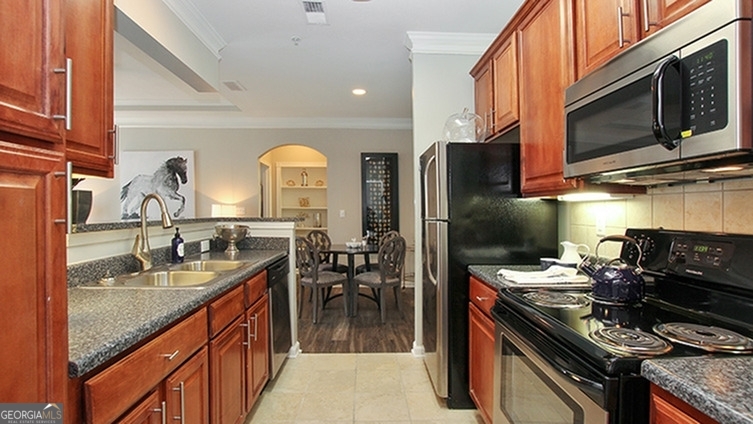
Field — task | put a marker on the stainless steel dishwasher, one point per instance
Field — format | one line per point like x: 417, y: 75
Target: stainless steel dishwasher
x: 279, y: 314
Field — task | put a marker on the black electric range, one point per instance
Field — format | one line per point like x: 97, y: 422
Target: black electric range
x: 698, y: 301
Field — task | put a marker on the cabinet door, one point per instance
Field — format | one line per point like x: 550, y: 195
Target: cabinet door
x: 602, y: 29
x: 187, y: 391
x: 150, y: 410
x: 257, y: 359
x: 544, y: 57
x: 481, y: 361
x: 505, y: 82
x: 484, y: 97
x: 34, y: 356
x: 661, y: 13
x: 665, y: 408
x: 227, y: 374
x: 32, y: 76
x: 88, y: 43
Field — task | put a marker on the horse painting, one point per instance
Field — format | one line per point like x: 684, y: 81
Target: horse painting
x: 164, y: 181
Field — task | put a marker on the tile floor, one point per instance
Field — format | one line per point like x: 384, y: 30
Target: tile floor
x: 374, y: 388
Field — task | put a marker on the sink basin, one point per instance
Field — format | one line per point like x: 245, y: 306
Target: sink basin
x: 210, y: 265
x: 173, y: 278
x: 158, y: 279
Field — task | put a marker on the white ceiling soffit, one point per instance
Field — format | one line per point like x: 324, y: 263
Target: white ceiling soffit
x: 167, y: 38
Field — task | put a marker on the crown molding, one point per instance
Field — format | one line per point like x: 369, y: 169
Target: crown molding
x: 187, y: 12
x: 448, y: 42
x: 217, y: 119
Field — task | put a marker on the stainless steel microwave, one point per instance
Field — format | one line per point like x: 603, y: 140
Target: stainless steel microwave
x: 676, y: 106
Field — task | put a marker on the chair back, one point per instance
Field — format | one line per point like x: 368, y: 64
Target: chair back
x: 389, y: 235
x: 306, y: 257
x: 321, y: 241
x: 392, y: 258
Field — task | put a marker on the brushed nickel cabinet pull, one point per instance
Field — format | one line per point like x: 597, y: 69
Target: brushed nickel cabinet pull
x: 181, y: 388
x: 620, y: 28
x: 68, y: 71
x: 170, y: 356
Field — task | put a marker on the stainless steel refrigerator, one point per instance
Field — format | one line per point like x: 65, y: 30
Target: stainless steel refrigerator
x: 471, y: 214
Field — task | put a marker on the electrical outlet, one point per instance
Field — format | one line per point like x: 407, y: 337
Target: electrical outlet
x: 205, y: 246
x: 342, y: 213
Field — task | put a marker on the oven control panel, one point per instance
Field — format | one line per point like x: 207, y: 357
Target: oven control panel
x: 717, y: 258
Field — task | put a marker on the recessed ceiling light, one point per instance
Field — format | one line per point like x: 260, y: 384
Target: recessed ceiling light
x: 358, y: 91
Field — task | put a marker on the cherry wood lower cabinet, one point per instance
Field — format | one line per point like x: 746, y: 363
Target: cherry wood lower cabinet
x: 239, y: 353
x: 481, y: 347
x: 666, y: 408
x: 182, y: 399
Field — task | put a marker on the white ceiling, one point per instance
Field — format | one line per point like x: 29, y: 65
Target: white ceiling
x: 362, y: 45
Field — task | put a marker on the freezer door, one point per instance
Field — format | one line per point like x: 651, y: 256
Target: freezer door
x: 435, y: 303
x: 434, y: 182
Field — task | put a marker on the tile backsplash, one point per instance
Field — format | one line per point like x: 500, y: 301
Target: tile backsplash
x: 716, y: 207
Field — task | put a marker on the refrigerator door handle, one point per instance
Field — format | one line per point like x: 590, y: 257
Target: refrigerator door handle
x: 433, y: 158
x: 427, y: 256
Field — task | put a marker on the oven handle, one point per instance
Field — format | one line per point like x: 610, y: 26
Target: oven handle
x: 578, y: 380
x: 658, y: 113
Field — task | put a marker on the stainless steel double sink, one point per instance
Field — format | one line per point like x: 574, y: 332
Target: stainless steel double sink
x: 194, y: 274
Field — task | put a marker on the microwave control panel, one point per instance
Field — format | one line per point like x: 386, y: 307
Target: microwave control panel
x: 706, y: 87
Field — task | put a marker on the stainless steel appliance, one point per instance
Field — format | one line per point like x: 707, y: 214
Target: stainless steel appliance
x: 677, y: 106
x: 580, y: 358
x: 471, y: 215
x: 279, y: 314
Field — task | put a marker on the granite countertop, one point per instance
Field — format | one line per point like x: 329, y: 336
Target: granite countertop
x: 488, y: 273
x: 104, y: 322
x: 720, y: 387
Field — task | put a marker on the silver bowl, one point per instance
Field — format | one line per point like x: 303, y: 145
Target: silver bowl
x: 231, y: 234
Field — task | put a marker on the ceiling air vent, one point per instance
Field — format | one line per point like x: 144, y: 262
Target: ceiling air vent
x: 315, y: 12
x: 234, y: 85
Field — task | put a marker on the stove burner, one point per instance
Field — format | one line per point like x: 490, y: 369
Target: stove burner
x: 712, y: 339
x: 625, y: 340
x: 553, y: 299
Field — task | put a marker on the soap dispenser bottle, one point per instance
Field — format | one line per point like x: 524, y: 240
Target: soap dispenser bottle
x: 178, y: 250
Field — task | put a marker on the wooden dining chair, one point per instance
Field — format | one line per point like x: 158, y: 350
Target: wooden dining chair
x: 307, y: 261
x: 389, y: 235
x: 320, y: 239
x: 391, y: 260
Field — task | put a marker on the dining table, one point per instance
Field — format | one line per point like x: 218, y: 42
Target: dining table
x: 350, y: 293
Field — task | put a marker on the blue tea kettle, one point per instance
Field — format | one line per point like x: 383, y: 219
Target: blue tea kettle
x: 613, y: 281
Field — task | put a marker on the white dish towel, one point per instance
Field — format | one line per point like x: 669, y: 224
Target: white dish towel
x: 555, y: 274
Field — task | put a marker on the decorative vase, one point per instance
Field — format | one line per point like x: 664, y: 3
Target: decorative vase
x: 317, y: 220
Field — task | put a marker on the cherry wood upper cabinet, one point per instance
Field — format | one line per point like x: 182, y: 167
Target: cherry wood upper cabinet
x: 496, y: 86
x: 505, y: 85
x: 484, y: 95
x: 544, y: 45
x: 32, y: 70
x: 606, y: 27
x: 89, y: 46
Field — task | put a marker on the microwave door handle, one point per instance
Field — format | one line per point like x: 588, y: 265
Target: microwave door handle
x: 658, y: 120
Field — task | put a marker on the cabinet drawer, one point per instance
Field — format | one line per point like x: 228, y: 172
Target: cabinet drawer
x: 224, y: 310
x: 255, y: 288
x: 114, y: 390
x: 482, y: 295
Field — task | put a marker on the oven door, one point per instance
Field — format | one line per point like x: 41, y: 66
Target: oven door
x: 528, y: 388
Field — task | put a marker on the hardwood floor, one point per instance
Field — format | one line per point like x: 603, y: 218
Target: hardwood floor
x: 335, y: 333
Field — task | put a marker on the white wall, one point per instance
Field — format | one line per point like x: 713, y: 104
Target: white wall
x: 226, y: 168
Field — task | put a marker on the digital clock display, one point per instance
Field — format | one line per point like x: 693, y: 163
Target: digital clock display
x: 700, y: 248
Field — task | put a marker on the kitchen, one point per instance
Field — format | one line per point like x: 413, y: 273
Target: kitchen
x: 672, y: 208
